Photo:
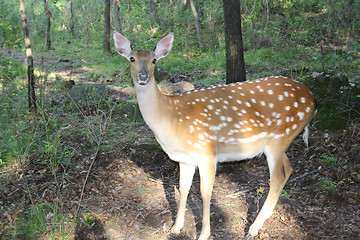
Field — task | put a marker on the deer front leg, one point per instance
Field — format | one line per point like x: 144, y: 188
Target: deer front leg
x: 186, y: 176
x: 207, y: 177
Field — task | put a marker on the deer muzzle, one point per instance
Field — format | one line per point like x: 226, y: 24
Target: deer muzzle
x: 143, y: 77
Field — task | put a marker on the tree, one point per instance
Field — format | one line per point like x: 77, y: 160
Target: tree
x: 71, y: 18
x: 117, y: 15
x: 197, y: 23
x: 48, y: 25
x: 154, y: 13
x: 30, y: 61
x: 235, y: 65
x: 107, y: 26
x: 196, y: 18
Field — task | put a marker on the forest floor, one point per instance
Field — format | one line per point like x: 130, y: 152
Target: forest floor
x: 132, y: 191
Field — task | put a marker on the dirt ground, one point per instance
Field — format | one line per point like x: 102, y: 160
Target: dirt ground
x: 132, y: 191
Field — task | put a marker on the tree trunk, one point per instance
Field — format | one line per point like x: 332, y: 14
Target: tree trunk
x: 71, y: 18
x: 197, y: 24
x: 153, y: 12
x: 235, y: 65
x: 107, y: 27
x: 117, y: 15
x: 48, y: 25
x: 30, y: 61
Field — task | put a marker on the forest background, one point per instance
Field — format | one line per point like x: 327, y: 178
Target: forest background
x: 316, y: 42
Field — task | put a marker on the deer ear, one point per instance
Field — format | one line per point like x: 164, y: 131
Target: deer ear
x: 163, y: 47
x: 122, y: 44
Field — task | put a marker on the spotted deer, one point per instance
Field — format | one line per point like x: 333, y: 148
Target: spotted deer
x: 222, y: 123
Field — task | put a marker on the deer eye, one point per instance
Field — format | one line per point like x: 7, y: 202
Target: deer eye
x: 132, y: 59
x: 154, y: 60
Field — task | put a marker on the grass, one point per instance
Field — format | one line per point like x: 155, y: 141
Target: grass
x: 44, y: 139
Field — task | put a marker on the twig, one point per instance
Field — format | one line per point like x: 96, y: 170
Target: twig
x: 98, y: 140
x: 304, y: 175
x: 85, y: 181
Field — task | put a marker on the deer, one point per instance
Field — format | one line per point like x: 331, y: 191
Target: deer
x: 222, y: 123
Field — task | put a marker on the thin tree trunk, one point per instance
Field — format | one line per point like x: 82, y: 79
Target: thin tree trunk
x: 107, y: 27
x: 153, y: 12
x: 235, y: 65
x: 30, y: 61
x: 128, y: 4
x: 197, y: 24
x: 48, y: 25
x: 71, y: 18
x: 117, y: 15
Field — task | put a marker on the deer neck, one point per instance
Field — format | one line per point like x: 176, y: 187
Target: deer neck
x: 153, y: 106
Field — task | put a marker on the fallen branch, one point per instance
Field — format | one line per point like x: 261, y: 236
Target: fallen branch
x: 304, y: 175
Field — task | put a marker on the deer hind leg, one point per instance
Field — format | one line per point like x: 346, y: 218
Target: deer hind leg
x: 186, y: 177
x: 280, y: 171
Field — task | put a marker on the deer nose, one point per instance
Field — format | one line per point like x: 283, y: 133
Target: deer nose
x: 143, y: 77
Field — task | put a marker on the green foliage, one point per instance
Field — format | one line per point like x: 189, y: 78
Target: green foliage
x: 337, y: 98
x: 9, y: 69
x: 38, y: 219
x: 88, y: 219
x: 354, y: 147
x: 10, y: 25
x: 13, y: 140
x: 330, y: 188
x: 330, y: 160
x: 287, y: 193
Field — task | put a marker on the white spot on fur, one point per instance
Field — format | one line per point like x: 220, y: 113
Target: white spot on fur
x: 301, y: 115
x: 192, y: 129
x: 197, y: 145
